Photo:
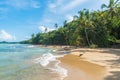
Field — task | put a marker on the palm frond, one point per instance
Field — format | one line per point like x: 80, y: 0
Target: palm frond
x: 117, y: 2
x: 117, y: 5
x: 104, y: 6
x: 111, y: 3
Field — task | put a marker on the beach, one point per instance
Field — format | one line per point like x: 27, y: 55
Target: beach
x: 93, y: 64
x: 34, y: 62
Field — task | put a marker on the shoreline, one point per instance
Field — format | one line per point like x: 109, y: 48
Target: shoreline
x: 79, y: 69
x: 99, y: 63
x: 102, y: 63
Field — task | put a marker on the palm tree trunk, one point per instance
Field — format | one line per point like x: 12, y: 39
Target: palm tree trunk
x: 87, y: 37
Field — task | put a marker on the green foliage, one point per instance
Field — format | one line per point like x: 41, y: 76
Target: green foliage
x: 93, y: 46
x: 93, y: 29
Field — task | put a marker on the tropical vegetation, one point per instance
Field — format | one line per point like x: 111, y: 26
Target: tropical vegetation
x: 99, y: 28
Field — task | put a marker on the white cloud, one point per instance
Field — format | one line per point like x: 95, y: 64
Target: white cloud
x: 47, y: 20
x: 72, y: 4
x: 42, y: 29
x: 22, y: 4
x: 59, y: 10
x: 64, y: 6
x: 69, y: 18
x: 51, y: 6
x: 55, y: 6
x: 35, y: 4
x: 27, y: 37
x: 6, y: 36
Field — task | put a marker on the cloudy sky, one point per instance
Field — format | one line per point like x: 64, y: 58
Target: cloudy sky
x: 20, y: 18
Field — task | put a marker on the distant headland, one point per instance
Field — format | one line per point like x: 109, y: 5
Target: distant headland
x: 5, y: 42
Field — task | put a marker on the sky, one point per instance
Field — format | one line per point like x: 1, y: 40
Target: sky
x: 20, y: 18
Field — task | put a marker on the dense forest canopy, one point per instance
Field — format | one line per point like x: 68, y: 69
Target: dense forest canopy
x: 95, y: 29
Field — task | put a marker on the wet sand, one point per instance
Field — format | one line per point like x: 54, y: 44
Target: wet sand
x: 94, y: 64
x: 78, y: 69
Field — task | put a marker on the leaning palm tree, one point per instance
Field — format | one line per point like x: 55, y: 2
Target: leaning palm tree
x: 85, y: 21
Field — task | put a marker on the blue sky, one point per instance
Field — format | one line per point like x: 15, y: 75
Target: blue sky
x: 20, y: 18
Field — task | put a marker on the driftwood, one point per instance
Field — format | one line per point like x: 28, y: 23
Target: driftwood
x: 80, y: 55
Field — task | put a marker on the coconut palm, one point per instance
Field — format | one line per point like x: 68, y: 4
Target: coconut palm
x: 56, y: 25
x: 46, y: 29
x: 112, y: 4
x: 111, y: 7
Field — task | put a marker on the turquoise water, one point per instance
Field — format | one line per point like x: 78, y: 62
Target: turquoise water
x: 27, y: 62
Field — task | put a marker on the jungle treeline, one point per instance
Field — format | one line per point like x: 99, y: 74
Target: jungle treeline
x: 99, y: 28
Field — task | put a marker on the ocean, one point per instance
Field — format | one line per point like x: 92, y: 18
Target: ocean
x: 29, y: 62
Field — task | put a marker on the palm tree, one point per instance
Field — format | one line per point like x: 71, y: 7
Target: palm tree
x: 112, y: 4
x: 75, y: 17
x: 56, y: 25
x: 65, y: 23
x: 112, y: 13
x: 85, y: 21
x: 46, y: 29
x: 33, y: 36
x: 111, y: 7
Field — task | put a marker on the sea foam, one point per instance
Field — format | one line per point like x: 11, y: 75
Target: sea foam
x: 45, y: 59
x: 62, y: 71
x: 31, y: 46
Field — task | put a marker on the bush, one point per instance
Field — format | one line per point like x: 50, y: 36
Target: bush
x: 93, y: 46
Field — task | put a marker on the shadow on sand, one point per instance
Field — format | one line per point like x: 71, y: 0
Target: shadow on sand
x: 114, y: 63
x: 115, y: 76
